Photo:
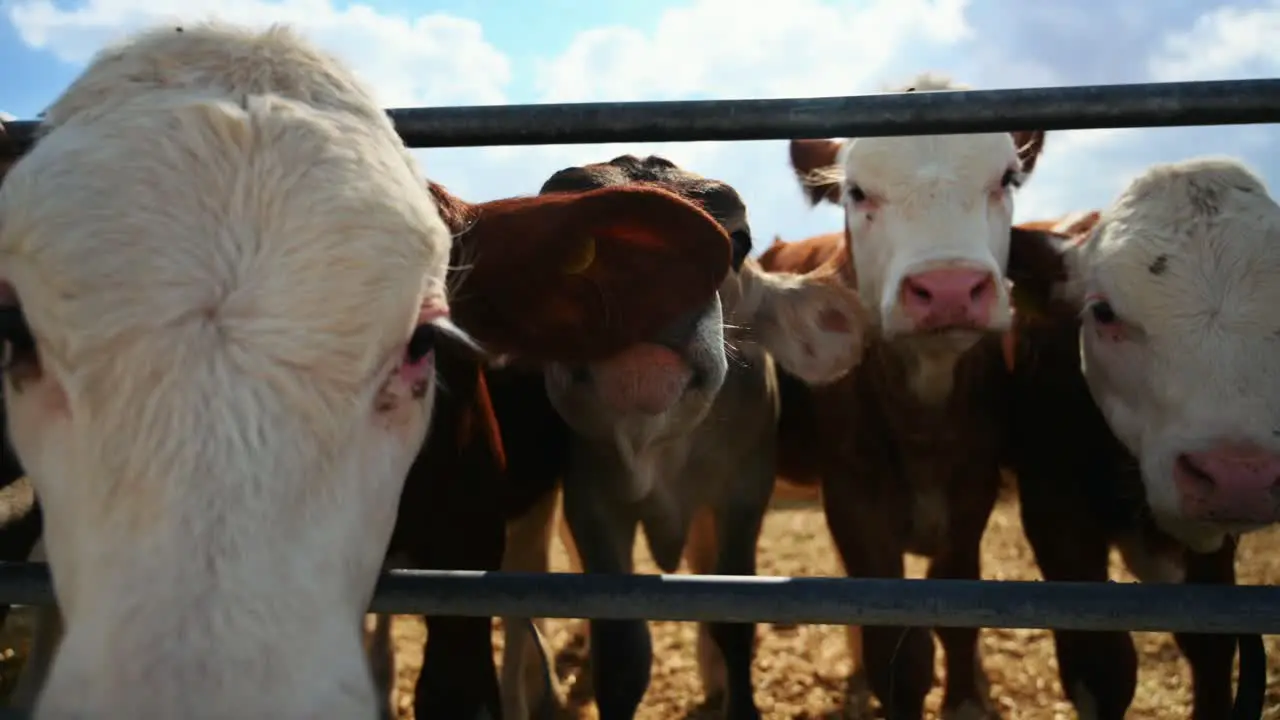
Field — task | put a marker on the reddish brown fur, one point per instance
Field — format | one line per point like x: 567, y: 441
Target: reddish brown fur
x: 856, y: 437
x: 806, y: 255
x: 522, y: 286
x: 1080, y: 497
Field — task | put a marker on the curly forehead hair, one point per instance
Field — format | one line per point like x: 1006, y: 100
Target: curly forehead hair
x: 719, y: 199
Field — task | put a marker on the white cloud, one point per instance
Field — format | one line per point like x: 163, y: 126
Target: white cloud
x: 1224, y: 43
x: 728, y: 49
x: 426, y: 60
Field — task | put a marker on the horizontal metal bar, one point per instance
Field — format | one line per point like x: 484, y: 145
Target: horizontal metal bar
x: 1218, y: 102
x: 945, y: 603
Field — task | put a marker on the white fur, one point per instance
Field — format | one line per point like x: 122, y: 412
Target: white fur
x: 221, y: 246
x: 935, y: 209
x: 1201, y: 358
x: 937, y: 203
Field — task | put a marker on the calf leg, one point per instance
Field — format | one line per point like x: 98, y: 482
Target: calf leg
x: 1210, y: 656
x: 44, y: 644
x: 604, y: 531
x: 898, y: 660
x: 700, y: 551
x: 528, y: 548
x: 459, y: 679
x: 960, y: 559
x: 382, y: 660
x: 1099, y: 670
x: 738, y: 524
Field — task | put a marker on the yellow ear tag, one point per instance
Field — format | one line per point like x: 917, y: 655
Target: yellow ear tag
x: 585, y: 256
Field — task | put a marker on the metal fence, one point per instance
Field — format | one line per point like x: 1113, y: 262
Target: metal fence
x: 945, y: 603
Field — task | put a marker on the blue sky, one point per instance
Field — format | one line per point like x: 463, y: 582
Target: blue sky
x: 451, y: 52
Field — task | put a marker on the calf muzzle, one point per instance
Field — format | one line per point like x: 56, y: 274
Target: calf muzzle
x: 1229, y: 483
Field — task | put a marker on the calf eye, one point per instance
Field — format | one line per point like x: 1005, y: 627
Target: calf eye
x: 16, y: 343
x: 741, y: 247
x: 421, y: 342
x: 1103, y: 312
x: 856, y: 194
x: 1011, y: 178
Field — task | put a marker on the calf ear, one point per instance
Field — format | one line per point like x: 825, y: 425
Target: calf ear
x: 575, y: 277
x: 814, y: 162
x: 814, y: 325
x: 1030, y: 143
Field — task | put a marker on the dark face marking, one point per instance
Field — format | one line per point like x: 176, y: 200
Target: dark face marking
x: 718, y: 199
x: 1160, y: 264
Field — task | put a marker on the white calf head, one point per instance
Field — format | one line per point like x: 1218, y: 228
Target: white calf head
x: 1178, y: 285
x: 927, y: 222
x: 219, y: 288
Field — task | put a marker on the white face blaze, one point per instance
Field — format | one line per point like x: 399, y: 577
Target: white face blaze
x: 928, y: 223
x: 1180, y: 285
x: 219, y: 412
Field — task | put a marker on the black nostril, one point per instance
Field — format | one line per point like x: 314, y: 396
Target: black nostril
x: 1193, y: 470
x: 980, y: 288
x: 918, y: 290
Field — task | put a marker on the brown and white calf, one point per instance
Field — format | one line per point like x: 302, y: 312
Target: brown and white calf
x: 683, y: 427
x: 1145, y: 411
x: 907, y: 446
x: 222, y: 290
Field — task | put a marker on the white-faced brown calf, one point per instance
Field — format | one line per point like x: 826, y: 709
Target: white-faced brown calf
x: 1145, y: 403
x: 907, y: 446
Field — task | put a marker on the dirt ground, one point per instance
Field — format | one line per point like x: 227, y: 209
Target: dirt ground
x: 802, y: 672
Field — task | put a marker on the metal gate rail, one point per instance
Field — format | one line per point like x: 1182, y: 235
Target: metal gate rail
x: 1218, y: 102
x: 841, y: 601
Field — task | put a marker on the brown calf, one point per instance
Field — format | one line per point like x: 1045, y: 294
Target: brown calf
x: 899, y: 475
x: 907, y: 446
x: 683, y: 428
x: 497, y: 446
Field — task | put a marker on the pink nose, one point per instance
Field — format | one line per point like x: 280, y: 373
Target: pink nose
x: 1229, y: 483
x: 645, y: 378
x: 950, y: 297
